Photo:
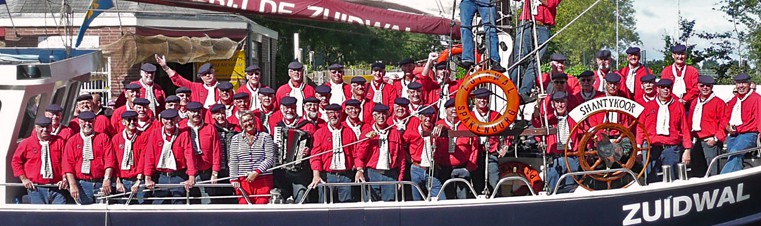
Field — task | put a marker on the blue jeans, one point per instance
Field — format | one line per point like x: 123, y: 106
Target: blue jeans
x: 170, y: 192
x: 662, y: 155
x: 738, y: 143
x: 468, y: 9
x: 709, y: 153
x: 461, y: 190
x: 139, y: 195
x: 523, y: 46
x: 204, y: 191
x: 87, y: 191
x: 557, y: 169
x: 342, y: 192
x: 382, y: 192
x: 493, y: 171
x: 420, y: 177
x: 46, y: 196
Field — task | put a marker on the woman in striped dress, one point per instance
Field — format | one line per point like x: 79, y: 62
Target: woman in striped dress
x: 252, y: 154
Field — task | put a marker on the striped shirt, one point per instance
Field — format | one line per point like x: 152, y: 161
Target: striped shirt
x: 259, y: 156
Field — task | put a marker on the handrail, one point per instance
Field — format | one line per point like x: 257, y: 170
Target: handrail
x: 511, y: 178
x: 560, y: 180
x: 35, y: 185
x: 715, y: 159
x: 362, y: 186
x: 452, y: 181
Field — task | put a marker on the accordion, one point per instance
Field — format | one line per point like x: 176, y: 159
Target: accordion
x: 289, y: 144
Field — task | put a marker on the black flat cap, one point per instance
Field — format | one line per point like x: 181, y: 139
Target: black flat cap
x: 241, y: 95
x: 401, y: 101
x: 194, y: 106
x: 557, y: 57
x: 288, y: 101
x: 333, y: 107
x: 217, y: 108
x: 481, y: 93
x: 378, y: 66
x: 54, y: 108
x: 132, y: 86
x: 742, y: 77
x: 205, y: 69
x: 266, y: 91
x: 586, y: 73
x: 406, y: 61
x: 252, y: 68
x: 679, y: 48
x: 352, y: 102
x: 295, y: 65
x: 336, y: 66
x: 559, y: 96
x: 86, y: 115
x: 632, y: 50
x: 706, y: 80
x: 559, y: 76
x: 415, y: 86
x: 428, y: 111
x: 172, y: 99
x: 612, y: 77
x: 665, y: 82
x: 603, y: 54
x: 647, y: 78
x: 311, y: 100
x: 43, y: 121
x: 322, y: 89
x: 380, y: 108
x: 442, y: 65
x: 84, y: 97
x: 358, y: 80
x: 129, y: 115
x: 148, y: 67
x: 182, y: 90
x: 169, y: 114
x: 224, y: 86
x: 141, y: 101
x: 449, y: 103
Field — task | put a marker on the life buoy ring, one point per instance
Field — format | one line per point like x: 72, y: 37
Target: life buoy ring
x: 468, y: 118
x: 456, y: 50
x: 514, y: 168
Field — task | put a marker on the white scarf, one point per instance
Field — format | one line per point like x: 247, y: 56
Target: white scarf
x: 452, y: 140
x: 601, y: 81
x: 357, y: 129
x: 630, y: 78
x: 414, y: 109
x: 482, y: 118
x: 167, y: 160
x: 46, y: 168
x: 697, y: 115
x: 298, y: 93
x: 254, y: 96
x: 142, y: 126
x: 150, y: 95
x: 128, y: 158
x: 404, y: 87
x: 443, y: 100
x: 426, y: 158
x: 338, y: 161
x: 563, y: 129
x: 679, y: 87
x: 401, y: 125
x: 663, y: 118
x: 56, y: 130
x: 377, y: 93
x: 183, y: 114
x: 648, y: 99
x: 590, y: 96
x: 385, y: 156
x: 736, y: 118
x: 323, y: 114
x: 194, y: 137
x: 612, y: 116
x: 210, y: 96
x: 87, y: 153
x: 337, y: 95
x: 362, y: 110
x: 266, y: 119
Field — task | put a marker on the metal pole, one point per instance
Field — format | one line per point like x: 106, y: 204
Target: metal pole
x: 617, y: 17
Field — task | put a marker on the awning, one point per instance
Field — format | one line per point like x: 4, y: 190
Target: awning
x: 132, y: 49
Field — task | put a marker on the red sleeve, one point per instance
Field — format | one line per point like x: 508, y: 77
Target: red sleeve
x: 686, y: 135
x: 180, y: 81
x: 187, y: 150
x: 758, y: 113
x: 553, y: 3
x: 727, y: 113
x: 401, y: 156
x: 115, y: 143
x: 19, y: 159
x: 149, y: 156
x: 216, y: 163
x: 69, y: 160
x: 641, y: 132
x: 308, y: 91
x: 721, y: 134
x: 109, y: 156
x: 316, y: 162
x: 362, y: 150
x: 692, y: 85
x: 279, y: 94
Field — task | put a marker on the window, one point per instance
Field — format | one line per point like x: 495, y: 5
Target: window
x: 58, y: 96
x: 30, y: 114
x: 71, y: 98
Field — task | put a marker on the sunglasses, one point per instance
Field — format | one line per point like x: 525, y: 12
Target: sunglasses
x: 559, y: 82
x: 334, y: 72
x: 585, y: 79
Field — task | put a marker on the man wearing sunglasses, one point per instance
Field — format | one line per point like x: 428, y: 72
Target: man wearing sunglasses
x: 557, y: 66
x: 205, y: 91
x: 296, y: 86
x: 339, y: 91
x: 588, y: 91
x: 704, y: 120
x: 254, y: 84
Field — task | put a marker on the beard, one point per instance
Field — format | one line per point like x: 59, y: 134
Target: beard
x: 311, y: 114
x: 289, y: 116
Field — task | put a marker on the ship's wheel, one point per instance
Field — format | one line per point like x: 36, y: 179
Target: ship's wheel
x: 601, y: 144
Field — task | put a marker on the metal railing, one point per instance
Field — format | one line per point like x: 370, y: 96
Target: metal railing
x: 562, y: 178
x: 452, y: 181
x: 511, y: 178
x: 726, y: 155
x: 364, y: 189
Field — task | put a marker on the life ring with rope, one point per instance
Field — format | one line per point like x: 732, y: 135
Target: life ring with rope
x: 515, y: 168
x: 471, y: 82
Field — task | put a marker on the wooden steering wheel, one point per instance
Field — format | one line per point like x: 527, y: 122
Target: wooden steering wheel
x: 595, y: 150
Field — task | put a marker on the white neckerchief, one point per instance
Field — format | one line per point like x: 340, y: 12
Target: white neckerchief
x: 266, y: 119
x: 401, y: 125
x: 736, y: 118
x: 323, y: 114
x: 195, y: 138
x: 590, y: 96
x: 128, y: 158
x: 338, y: 161
x: 46, y: 168
x: 612, y: 116
x: 362, y: 110
x: 630, y: 78
x: 150, y: 95
x: 452, y: 140
x: 142, y: 126
x: 648, y: 99
x: 414, y: 109
x: 601, y: 81
x: 663, y: 118
x: 337, y: 95
x: 563, y: 128
x: 183, y: 114
x: 679, y: 87
x: 357, y: 129
x: 298, y: 93
x: 482, y: 118
x: 56, y: 130
x: 404, y: 87
x: 210, y: 96
x: 254, y: 95
x: 87, y: 152
x: 443, y: 100
x: 426, y: 158
x: 167, y: 160
x: 697, y: 115
x: 384, y: 157
x: 377, y: 93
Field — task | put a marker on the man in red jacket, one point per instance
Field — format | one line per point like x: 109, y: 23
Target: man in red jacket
x: 380, y: 91
x: 401, y: 118
x: 461, y: 156
x: 588, y: 92
x: 206, y: 149
x: 402, y: 85
x: 252, y: 87
x: 647, y: 84
x: 339, y: 91
x: 666, y: 124
x: 381, y: 155
x: 337, y: 164
x: 354, y: 117
x: 204, y: 92
x: 55, y: 113
x: 129, y: 146
x: 169, y: 158
x: 446, y: 89
x: 292, y: 180
x: 184, y: 94
x: 323, y: 93
x: 604, y: 61
x: 482, y: 113
x: 148, y: 89
x: 365, y: 103
x: 88, y: 161
x: 633, y: 72
x: 311, y: 113
x: 268, y: 108
x: 296, y: 86
x: 685, y: 77
x: 704, y: 120
x: 41, y: 167
x: 557, y: 66
x: 557, y: 117
x: 101, y: 122
x: 415, y: 95
x: 138, y: 105
x: 225, y: 92
x: 742, y: 118
x: 423, y: 149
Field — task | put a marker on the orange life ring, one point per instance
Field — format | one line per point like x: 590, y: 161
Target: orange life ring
x: 524, y: 170
x: 468, y: 118
x: 456, y: 50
